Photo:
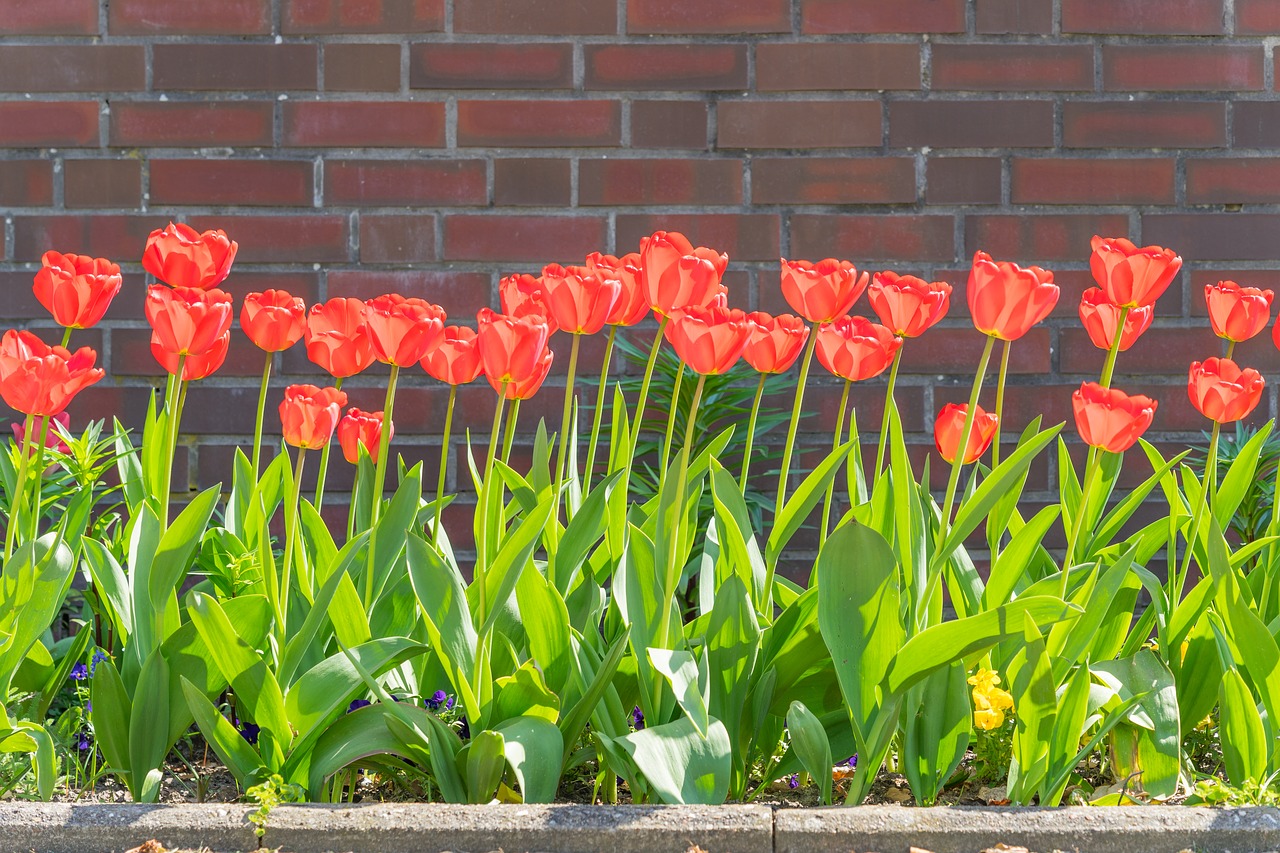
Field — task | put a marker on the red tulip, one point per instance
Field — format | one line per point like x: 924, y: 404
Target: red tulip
x: 526, y: 388
x: 338, y: 337
x: 632, y: 304
x: 1110, y: 419
x: 273, y: 320
x: 186, y: 320
x: 457, y: 360
x: 76, y: 289
x: 521, y: 296
x: 309, y: 415
x: 580, y: 300
x: 1237, y: 313
x: 823, y: 291
x: 511, y: 348
x: 52, y: 440
x: 908, y: 305
x: 37, y: 379
x: 1131, y: 276
x: 1006, y: 300
x: 709, y: 340
x: 1221, y: 391
x: 195, y: 365
x: 949, y: 428
x: 774, y: 343
x: 675, y: 274
x: 360, y: 428
x: 854, y: 348
x: 180, y: 257
x: 403, y: 330
x: 1100, y: 316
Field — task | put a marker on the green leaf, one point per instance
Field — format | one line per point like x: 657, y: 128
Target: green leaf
x: 680, y: 765
x: 583, y: 532
x: 149, y: 723
x: 575, y: 720
x: 809, y: 740
x: 324, y: 691
x: 533, y: 748
x: 232, y: 749
x: 178, y: 547
x: 936, y: 722
x: 525, y: 694
x: 1244, y: 742
x: 484, y: 760
x: 802, y: 501
x: 440, y: 594
x: 688, y: 682
x: 110, y: 715
x: 513, y: 557
x: 546, y: 623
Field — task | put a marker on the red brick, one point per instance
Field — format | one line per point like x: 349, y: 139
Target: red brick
x: 708, y: 16
x: 1144, y: 124
x: 274, y: 183
x: 472, y: 65
x: 539, y: 124
x: 799, y: 124
x: 877, y: 16
x: 102, y: 183
x: 743, y: 236
x: 865, y: 237
x: 1037, y: 238
x: 971, y: 124
x: 283, y: 239
x: 1216, y: 236
x: 397, y: 239
x: 1183, y: 67
x: 362, y: 16
x: 239, y: 284
x: 958, y: 350
x: 537, y: 17
x: 26, y: 183
x: 461, y: 294
x: 833, y: 180
x: 532, y: 181
x: 361, y: 67
x: 19, y: 302
x: 669, y: 124
x: 360, y: 124
x: 1143, y: 17
x: 1012, y: 67
x: 121, y: 238
x: 790, y: 67
x: 1241, y: 181
x: 147, y: 17
x: 1163, y: 350
x: 653, y: 181
x: 417, y: 182
x: 1255, y: 124
x: 191, y: 124
x: 666, y: 67
x: 962, y: 180
x: 41, y: 124
x: 54, y: 17
x: 1257, y: 17
x: 236, y: 67
x: 1000, y: 17
x: 536, y: 239
x: 1079, y: 181
x: 131, y: 356
x: 72, y: 68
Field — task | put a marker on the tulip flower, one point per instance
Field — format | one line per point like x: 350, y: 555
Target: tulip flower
x: 1006, y: 300
x: 1222, y: 391
x: 1132, y: 277
x: 1110, y: 419
x: 578, y: 299
x: 1237, y: 313
x: 186, y: 320
x: 855, y: 349
x: 511, y: 348
x: 359, y: 428
x: 908, y: 305
x: 76, y: 289
x: 338, y: 338
x: 52, y: 440
x: 709, y: 340
x: 457, y: 360
x: 949, y: 428
x: 309, y: 415
x: 773, y: 345
x: 521, y: 296
x: 529, y: 386
x: 39, y: 380
x: 403, y: 329
x: 675, y: 274
x: 1101, y: 317
x: 273, y: 319
x: 823, y: 291
x: 194, y: 366
x: 180, y: 257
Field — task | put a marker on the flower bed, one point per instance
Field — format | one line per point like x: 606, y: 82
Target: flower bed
x: 614, y: 641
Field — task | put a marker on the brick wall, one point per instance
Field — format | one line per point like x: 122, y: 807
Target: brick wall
x: 428, y: 146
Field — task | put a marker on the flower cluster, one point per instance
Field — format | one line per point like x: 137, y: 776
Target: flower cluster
x: 989, y: 700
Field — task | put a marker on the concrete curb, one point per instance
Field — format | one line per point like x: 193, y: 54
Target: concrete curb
x: 70, y: 828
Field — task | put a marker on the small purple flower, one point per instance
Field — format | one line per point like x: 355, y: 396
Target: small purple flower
x: 98, y: 657
x: 357, y: 704
x: 79, y: 672
x: 248, y: 731
x: 83, y: 743
x: 448, y: 705
x: 88, y: 707
x: 435, y: 700
x: 637, y: 718
x: 852, y: 761
x: 793, y: 782
x: 464, y: 730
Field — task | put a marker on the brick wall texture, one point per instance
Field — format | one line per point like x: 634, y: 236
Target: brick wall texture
x: 429, y: 146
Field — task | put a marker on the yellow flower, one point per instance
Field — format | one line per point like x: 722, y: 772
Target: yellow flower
x: 984, y: 680
x: 1185, y: 645
x: 988, y: 719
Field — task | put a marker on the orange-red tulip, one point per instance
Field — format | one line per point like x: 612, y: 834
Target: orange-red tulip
x: 774, y: 343
x: 457, y: 360
x: 273, y: 319
x: 526, y: 388
x: 633, y: 303
x: 676, y: 274
x: 1223, y: 392
x: 76, y: 289
x: 52, y: 440
x: 359, y: 427
x: 854, y: 348
x: 511, y: 348
x: 1237, y: 313
x: 309, y: 415
x: 908, y: 305
x: 823, y: 291
x: 580, y: 300
x: 186, y: 320
x: 1110, y: 419
x: 180, y: 257
x: 1100, y: 316
x: 521, y: 296
x: 195, y: 365
x: 1006, y: 300
x: 949, y: 428
x: 709, y: 340
x: 1132, y: 276
x: 338, y: 337
x: 37, y: 379
x: 403, y: 329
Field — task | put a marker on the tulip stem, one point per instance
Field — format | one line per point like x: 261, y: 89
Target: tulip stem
x: 483, y: 549
x: 66, y: 336
x: 1004, y: 375
x: 1076, y: 523
x: 957, y: 462
x: 642, y: 401
x: 444, y: 463
x: 39, y: 471
x: 831, y: 487
x: 562, y: 461
x: 751, y: 434
x: 262, y: 408
x: 795, y: 422
x: 884, y: 420
x: 19, y: 489
x: 599, y: 412
x: 513, y: 416
x: 671, y: 427
x: 1231, y: 349
x: 173, y: 412
x: 1207, y: 488
x: 290, y: 533
x: 324, y: 462
x: 379, y: 480
x: 1109, y: 367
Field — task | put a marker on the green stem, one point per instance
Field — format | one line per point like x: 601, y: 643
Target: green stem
x: 513, y: 417
x: 66, y: 336
x: 379, y: 480
x: 1231, y: 349
x: 958, y: 462
x: 671, y: 427
x: 19, y: 489
x: 1207, y: 488
x: 173, y: 412
x: 324, y: 462
x: 751, y: 434
x: 884, y: 421
x: 1091, y: 467
x: 39, y: 478
x: 562, y: 462
x: 262, y: 408
x: 831, y: 487
x: 1109, y: 367
x: 290, y: 534
x: 1004, y: 374
x: 795, y: 421
x: 482, y: 550
x: 599, y: 412
x: 643, y: 399
x: 444, y: 462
